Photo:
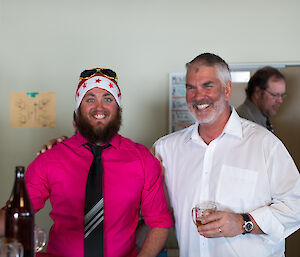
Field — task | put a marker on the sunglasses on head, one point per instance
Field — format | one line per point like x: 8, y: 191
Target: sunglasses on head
x: 108, y: 73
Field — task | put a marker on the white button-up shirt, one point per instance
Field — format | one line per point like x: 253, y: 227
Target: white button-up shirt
x: 245, y: 170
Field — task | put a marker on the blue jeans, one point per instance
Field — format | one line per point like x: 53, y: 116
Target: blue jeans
x: 163, y: 253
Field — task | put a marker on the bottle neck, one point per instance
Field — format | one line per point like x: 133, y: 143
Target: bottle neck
x: 19, y: 175
x: 19, y: 200
x: 20, y: 172
x: 19, y: 184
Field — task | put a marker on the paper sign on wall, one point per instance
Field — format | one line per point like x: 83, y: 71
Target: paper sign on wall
x: 179, y: 115
x: 33, y: 110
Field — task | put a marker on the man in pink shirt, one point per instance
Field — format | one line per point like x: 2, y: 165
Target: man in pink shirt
x: 131, y: 178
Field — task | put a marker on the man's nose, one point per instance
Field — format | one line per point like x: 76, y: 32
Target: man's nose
x: 99, y: 104
x: 200, y: 93
x: 279, y: 99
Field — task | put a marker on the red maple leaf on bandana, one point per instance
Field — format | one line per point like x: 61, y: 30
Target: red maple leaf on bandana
x: 97, y: 80
x: 84, y: 85
x: 111, y: 85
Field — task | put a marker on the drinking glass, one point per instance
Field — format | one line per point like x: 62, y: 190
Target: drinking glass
x: 40, y: 238
x: 201, y: 210
x: 10, y: 248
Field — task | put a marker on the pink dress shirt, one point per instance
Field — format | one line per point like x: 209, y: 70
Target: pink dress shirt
x: 131, y: 179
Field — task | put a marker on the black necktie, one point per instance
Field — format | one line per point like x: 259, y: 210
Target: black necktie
x: 93, y: 209
x: 269, y: 125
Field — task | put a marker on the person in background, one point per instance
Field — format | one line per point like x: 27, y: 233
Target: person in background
x: 240, y: 166
x: 131, y: 178
x: 265, y: 93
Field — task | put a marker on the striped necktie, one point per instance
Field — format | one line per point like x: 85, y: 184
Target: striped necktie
x: 93, y: 209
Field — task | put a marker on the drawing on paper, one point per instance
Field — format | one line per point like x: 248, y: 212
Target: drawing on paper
x: 33, y: 110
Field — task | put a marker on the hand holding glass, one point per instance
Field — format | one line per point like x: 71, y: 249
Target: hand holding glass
x: 201, y: 210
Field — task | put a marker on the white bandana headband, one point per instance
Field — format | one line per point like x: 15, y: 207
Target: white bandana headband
x: 100, y: 82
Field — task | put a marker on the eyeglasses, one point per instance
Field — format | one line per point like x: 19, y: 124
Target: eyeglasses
x: 108, y: 73
x: 277, y: 95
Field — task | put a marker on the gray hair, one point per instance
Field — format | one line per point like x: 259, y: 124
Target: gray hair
x: 212, y: 60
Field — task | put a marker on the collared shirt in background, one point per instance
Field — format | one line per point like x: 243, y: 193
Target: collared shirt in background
x: 249, y: 111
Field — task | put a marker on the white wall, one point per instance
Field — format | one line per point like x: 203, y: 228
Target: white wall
x: 45, y: 44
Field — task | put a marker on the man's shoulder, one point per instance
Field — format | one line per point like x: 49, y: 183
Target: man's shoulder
x: 256, y: 131
x: 130, y: 145
x: 251, y: 126
x: 176, y: 137
x: 248, y: 110
x: 244, y: 111
x: 60, y: 147
x: 241, y: 106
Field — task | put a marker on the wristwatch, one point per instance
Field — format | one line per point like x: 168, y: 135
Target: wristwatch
x: 248, y: 225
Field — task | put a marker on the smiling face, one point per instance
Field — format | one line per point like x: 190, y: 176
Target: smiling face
x: 206, y: 97
x: 99, y: 116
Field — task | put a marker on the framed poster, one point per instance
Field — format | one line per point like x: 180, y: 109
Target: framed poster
x: 179, y: 116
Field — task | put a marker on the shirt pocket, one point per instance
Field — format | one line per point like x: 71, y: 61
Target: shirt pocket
x: 236, y: 188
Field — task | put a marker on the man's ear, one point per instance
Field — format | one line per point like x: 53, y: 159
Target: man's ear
x: 256, y: 94
x: 228, y: 90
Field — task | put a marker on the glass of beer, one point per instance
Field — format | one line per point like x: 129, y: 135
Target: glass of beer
x: 40, y: 238
x: 201, y: 210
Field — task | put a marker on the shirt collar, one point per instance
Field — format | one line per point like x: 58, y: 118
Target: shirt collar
x: 233, y: 127
x: 194, y: 135
x: 115, y: 142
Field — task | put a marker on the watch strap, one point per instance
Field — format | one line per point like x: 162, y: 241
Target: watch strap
x: 246, y: 217
x: 247, y: 221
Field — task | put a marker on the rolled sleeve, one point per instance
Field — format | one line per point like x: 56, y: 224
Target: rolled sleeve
x: 37, y: 183
x: 154, y: 209
x: 273, y: 229
x: 282, y: 217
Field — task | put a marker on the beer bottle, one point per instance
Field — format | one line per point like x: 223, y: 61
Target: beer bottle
x: 19, y: 216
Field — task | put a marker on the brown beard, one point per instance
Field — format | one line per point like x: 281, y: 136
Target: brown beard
x: 96, y: 135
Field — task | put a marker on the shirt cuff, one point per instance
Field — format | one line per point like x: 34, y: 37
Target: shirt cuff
x: 273, y: 229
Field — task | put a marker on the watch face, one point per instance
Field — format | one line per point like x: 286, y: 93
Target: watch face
x: 248, y: 226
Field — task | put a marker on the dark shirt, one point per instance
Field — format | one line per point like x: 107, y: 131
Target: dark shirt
x: 248, y: 110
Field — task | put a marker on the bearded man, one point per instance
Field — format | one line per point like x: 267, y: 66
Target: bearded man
x: 97, y: 181
x: 240, y: 166
x: 265, y: 93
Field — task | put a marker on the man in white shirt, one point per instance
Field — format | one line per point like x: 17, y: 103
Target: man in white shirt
x: 237, y: 164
